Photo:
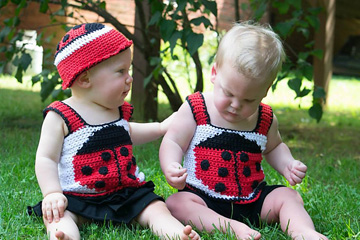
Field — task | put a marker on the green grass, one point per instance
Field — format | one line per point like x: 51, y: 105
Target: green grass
x: 331, y: 190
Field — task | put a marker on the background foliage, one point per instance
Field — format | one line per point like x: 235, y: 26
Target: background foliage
x: 165, y: 27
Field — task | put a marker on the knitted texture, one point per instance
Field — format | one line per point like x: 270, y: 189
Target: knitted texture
x: 223, y: 163
x: 96, y: 159
x: 84, y: 46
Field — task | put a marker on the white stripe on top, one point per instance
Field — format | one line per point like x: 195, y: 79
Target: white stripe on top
x: 78, y: 43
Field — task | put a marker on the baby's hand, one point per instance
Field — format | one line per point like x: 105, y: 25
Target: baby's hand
x: 176, y: 175
x: 53, y: 206
x: 295, y: 172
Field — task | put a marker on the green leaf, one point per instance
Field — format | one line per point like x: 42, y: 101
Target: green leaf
x: 44, y: 6
x: 181, y: 5
x: 35, y: 79
x: 25, y: 61
x: 283, y: 7
x: 4, y: 32
x: 259, y: 10
x: 304, y: 31
x: 154, y: 61
x: 319, y: 93
x: 295, y: 84
x: 155, y: 18
x: 211, y: 5
x: 284, y: 28
x: 3, y: 3
x: 63, y: 3
x: 313, y: 20
x: 304, y: 92
x: 148, y: 79
x: 303, y: 55
x: 102, y: 5
x: 316, y: 112
x: 157, y: 6
x: 173, y: 40
x: 307, y: 71
x: 47, y: 86
x: 194, y: 41
x: 200, y: 20
x: 318, y: 53
x: 19, y: 74
x: 296, y: 3
x: 167, y: 28
x: 244, y: 6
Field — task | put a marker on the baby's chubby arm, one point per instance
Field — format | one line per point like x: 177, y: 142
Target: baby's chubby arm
x: 278, y: 155
x: 46, y: 167
x: 174, y: 144
x: 146, y: 132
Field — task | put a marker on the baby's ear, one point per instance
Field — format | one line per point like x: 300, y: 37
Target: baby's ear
x: 83, y: 80
x: 213, y: 73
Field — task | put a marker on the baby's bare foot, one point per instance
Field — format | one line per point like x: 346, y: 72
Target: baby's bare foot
x: 244, y: 232
x: 61, y: 236
x: 188, y: 232
x: 308, y: 235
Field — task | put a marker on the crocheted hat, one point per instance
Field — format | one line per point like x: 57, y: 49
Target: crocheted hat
x: 84, y: 46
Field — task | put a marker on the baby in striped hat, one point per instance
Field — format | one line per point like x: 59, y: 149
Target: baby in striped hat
x: 84, y: 163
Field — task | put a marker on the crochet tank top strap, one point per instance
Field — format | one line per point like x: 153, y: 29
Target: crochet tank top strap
x: 265, y: 119
x: 71, y: 118
x: 126, y: 111
x: 198, y: 108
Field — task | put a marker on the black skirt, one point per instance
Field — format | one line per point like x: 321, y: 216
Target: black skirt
x: 119, y: 207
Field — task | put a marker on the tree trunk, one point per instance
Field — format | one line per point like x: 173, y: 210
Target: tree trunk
x: 144, y: 98
x: 324, y: 39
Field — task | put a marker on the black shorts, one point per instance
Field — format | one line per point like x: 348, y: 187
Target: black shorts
x: 240, y: 212
x: 120, y: 207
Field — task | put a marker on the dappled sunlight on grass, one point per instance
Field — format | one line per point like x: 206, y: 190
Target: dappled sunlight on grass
x: 9, y: 82
x: 329, y: 149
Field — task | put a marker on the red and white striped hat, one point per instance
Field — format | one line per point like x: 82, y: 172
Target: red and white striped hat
x: 84, y: 46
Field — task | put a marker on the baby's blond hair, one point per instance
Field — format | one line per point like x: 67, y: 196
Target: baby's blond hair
x: 255, y: 50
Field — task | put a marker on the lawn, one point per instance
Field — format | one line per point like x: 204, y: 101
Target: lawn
x: 331, y: 190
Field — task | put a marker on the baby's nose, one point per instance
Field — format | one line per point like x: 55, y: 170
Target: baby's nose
x: 129, y: 80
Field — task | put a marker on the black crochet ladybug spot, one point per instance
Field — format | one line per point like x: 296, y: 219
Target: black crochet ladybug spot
x: 226, y: 155
x: 77, y: 26
x: 205, y: 165
x: 244, y: 157
x: 66, y: 37
x: 254, y: 184
x: 58, y: 47
x: 124, y: 151
x: 129, y: 164
x: 220, y: 187
x: 258, y: 166
x: 247, y: 171
x: 86, y: 170
x: 131, y: 176
x: 223, y: 172
x: 89, y: 27
x: 106, y: 156
x: 133, y: 160
x: 100, y: 184
x: 103, y: 171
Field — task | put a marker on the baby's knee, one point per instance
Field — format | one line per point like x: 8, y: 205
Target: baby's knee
x: 294, y: 195
x: 182, y: 200
x: 172, y: 202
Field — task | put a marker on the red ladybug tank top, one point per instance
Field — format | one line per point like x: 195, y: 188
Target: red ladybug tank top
x: 225, y: 164
x: 96, y: 159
